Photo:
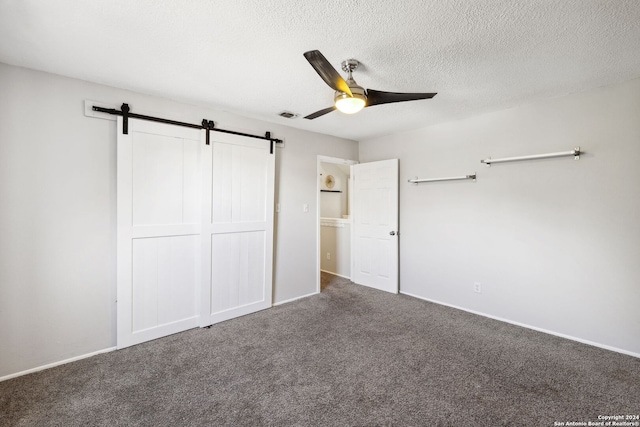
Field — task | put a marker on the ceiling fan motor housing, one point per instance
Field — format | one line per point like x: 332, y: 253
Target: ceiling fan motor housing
x: 349, y: 66
x: 351, y: 104
x: 357, y: 91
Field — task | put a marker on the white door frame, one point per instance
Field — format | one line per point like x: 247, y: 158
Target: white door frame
x: 325, y: 159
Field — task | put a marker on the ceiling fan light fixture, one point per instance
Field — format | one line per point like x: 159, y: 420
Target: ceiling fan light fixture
x: 350, y: 104
x: 349, y: 97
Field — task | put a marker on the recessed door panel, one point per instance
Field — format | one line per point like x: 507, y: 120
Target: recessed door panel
x: 239, y: 193
x: 234, y: 266
x: 164, y: 280
x: 164, y: 179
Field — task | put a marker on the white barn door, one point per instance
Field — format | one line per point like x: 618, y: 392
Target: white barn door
x: 237, y: 243
x: 158, y: 241
x: 195, y: 229
x: 375, y: 225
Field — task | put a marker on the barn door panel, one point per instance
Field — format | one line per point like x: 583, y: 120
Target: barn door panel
x: 237, y: 227
x: 158, y: 241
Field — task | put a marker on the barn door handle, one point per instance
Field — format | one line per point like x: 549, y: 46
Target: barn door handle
x: 392, y: 233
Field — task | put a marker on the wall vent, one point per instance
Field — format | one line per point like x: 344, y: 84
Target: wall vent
x: 288, y: 115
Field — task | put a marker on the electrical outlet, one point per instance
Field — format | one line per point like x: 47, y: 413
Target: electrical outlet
x: 477, y: 287
x: 328, y: 255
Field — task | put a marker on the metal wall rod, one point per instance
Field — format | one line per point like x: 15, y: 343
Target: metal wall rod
x: 206, y: 124
x: 453, y: 178
x: 233, y: 132
x: 575, y: 153
x: 143, y: 117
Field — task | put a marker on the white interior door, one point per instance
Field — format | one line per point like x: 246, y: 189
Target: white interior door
x: 158, y: 237
x: 375, y: 225
x: 237, y: 226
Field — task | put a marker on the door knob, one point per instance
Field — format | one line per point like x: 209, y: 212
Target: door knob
x: 392, y: 233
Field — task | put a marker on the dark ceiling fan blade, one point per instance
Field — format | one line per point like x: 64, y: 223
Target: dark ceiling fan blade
x: 377, y: 97
x: 327, y: 72
x: 320, y: 113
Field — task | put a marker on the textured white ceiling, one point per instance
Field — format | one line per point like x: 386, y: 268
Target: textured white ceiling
x: 245, y: 56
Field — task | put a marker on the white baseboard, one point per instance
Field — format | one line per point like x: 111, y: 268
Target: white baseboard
x: 295, y: 299
x: 523, y: 325
x: 335, y: 274
x: 51, y: 365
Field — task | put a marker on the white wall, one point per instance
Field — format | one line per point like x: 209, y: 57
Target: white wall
x: 554, y: 243
x: 335, y: 238
x: 57, y: 212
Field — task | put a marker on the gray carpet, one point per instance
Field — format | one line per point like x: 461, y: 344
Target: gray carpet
x: 351, y: 356
x: 328, y: 279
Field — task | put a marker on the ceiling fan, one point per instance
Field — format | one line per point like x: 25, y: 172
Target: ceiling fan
x: 349, y: 97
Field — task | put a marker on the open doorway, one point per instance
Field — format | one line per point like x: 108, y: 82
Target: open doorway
x: 334, y: 220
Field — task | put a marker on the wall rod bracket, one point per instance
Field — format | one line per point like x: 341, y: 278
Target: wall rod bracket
x: 125, y: 118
